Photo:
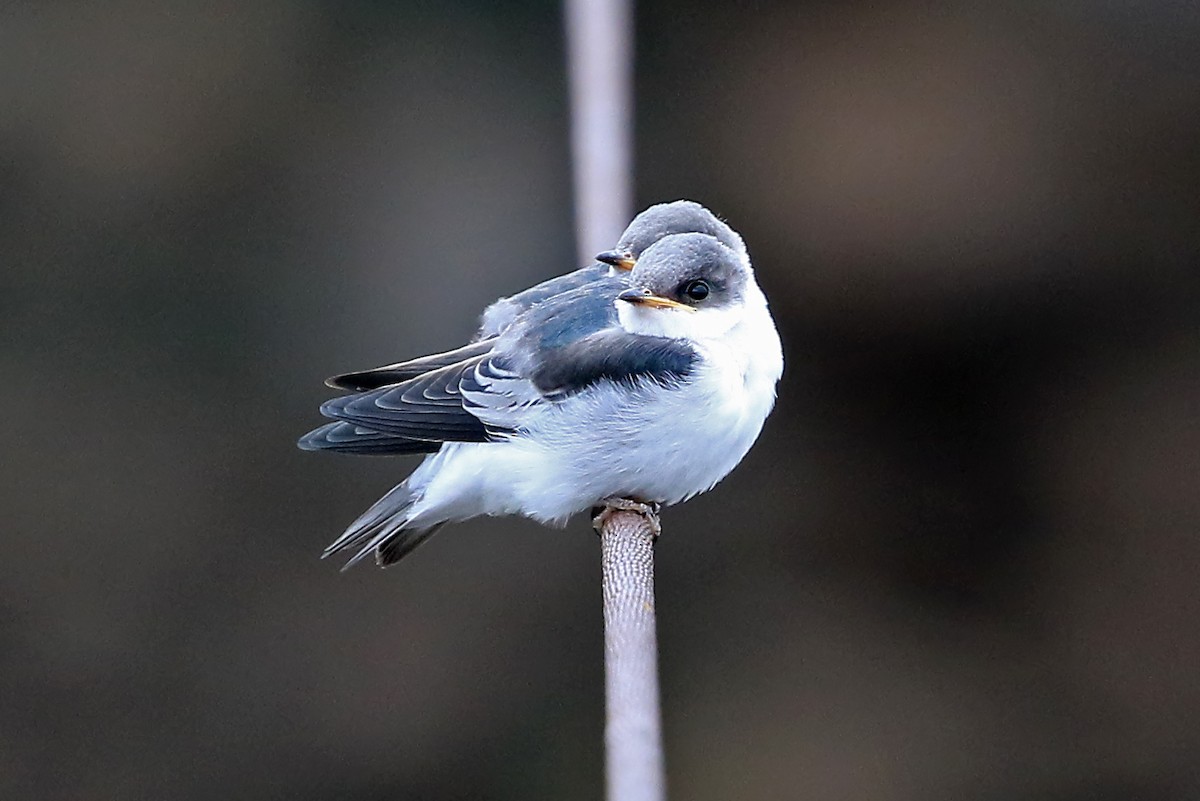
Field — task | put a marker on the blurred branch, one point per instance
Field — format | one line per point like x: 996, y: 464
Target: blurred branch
x: 600, y: 63
x: 633, y: 736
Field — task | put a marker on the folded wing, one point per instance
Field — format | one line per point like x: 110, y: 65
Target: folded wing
x: 555, y: 350
x: 427, y: 408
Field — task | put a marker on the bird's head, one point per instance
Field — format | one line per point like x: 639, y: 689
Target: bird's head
x: 665, y: 219
x: 686, y: 285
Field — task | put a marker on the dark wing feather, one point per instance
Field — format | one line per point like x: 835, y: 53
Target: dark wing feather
x: 428, y: 407
x: 349, y: 438
x: 612, y: 355
x: 402, y: 371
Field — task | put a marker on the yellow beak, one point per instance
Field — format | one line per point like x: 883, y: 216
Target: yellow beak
x: 618, y: 259
x: 644, y: 297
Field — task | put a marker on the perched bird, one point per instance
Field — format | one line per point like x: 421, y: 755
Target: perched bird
x: 572, y: 404
x: 678, y: 217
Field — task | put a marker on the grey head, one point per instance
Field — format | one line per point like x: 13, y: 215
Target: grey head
x: 689, y: 272
x: 665, y: 219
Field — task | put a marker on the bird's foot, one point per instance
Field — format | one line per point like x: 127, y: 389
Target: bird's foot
x: 610, y: 506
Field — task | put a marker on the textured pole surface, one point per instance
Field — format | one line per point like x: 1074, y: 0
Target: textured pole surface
x: 633, y: 737
x: 600, y: 63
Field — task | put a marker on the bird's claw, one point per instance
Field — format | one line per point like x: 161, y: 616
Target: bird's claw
x: 610, y: 506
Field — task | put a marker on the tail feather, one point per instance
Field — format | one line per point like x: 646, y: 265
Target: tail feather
x: 402, y: 544
x: 382, y: 530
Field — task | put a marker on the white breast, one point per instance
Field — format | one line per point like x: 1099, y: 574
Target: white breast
x: 735, y: 391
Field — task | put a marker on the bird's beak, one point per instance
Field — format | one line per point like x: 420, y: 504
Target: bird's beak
x: 617, y: 258
x: 644, y: 297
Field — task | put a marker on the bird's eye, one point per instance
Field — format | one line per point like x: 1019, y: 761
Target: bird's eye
x: 696, y: 290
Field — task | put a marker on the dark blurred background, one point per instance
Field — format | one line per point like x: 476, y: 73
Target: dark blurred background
x: 962, y: 562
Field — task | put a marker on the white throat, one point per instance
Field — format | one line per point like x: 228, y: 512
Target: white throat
x: 702, y: 324
x: 676, y: 323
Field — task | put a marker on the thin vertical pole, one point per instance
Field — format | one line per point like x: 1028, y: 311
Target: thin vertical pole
x: 600, y: 64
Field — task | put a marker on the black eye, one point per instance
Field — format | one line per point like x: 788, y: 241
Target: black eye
x: 696, y: 290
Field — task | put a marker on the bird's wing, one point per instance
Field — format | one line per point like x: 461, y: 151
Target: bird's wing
x: 428, y: 408
x: 554, y: 350
x: 348, y: 438
x: 487, y: 398
x: 564, y: 345
x: 501, y: 314
x: 403, y: 371
x: 612, y: 355
x: 574, y: 340
x: 505, y: 397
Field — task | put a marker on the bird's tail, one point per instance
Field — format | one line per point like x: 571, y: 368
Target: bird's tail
x: 383, y: 529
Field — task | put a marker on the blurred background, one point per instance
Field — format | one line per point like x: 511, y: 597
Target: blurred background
x: 962, y: 562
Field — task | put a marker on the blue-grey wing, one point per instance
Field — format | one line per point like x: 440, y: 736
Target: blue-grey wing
x: 501, y: 314
x: 558, y: 348
x: 615, y: 356
x: 505, y: 396
x: 428, y: 408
